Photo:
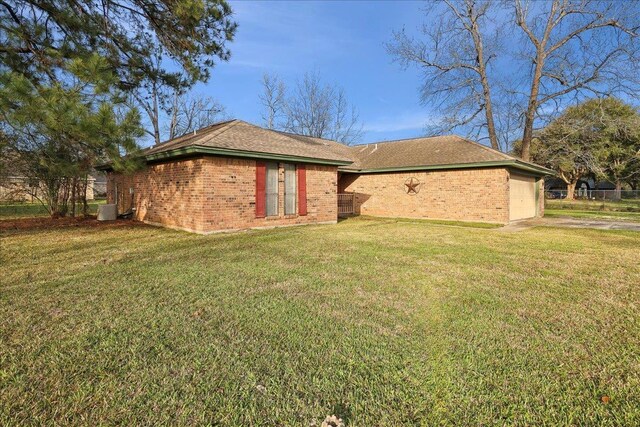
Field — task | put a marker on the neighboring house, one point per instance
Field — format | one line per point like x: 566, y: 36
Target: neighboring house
x: 21, y: 189
x: 100, y: 185
x: 556, y: 184
x: 234, y: 175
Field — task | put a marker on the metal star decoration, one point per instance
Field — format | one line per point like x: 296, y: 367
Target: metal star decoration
x: 412, y: 185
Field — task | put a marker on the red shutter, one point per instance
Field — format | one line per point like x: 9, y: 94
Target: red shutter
x: 302, y: 190
x: 261, y: 181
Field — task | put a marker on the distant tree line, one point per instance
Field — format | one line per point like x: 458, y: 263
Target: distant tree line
x: 599, y: 138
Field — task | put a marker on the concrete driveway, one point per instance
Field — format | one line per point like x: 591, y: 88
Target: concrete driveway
x: 570, y: 223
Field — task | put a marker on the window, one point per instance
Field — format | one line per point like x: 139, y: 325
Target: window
x: 272, y: 189
x: 267, y: 188
x: 289, y: 189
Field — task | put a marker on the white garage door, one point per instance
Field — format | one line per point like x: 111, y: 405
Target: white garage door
x: 522, y: 191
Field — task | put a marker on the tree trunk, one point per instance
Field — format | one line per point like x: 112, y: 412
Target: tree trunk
x: 62, y: 207
x: 51, y: 195
x: 491, y: 127
x: 486, y: 91
x: 174, y: 117
x: 618, y: 193
x: 530, y: 114
x: 85, y: 207
x: 571, y: 189
x: 532, y: 106
x: 156, y: 116
x: 74, y: 195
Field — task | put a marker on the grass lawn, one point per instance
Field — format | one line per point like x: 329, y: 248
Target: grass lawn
x: 380, y: 322
x: 624, y: 210
x: 591, y: 214
x: 625, y: 205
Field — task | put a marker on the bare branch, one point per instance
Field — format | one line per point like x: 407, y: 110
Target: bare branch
x: 272, y: 99
x: 190, y: 113
x: 453, y: 61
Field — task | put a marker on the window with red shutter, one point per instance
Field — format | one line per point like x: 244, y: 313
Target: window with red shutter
x: 302, y: 190
x: 261, y: 179
x: 271, y: 188
x: 290, y: 187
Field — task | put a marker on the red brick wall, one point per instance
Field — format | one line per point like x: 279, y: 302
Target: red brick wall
x: 230, y: 186
x: 217, y: 193
x: 465, y: 194
x: 170, y: 193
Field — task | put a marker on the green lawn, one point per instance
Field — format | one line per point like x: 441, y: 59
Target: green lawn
x: 381, y: 322
x: 596, y: 215
x: 625, y: 205
x: 623, y: 210
x: 29, y: 210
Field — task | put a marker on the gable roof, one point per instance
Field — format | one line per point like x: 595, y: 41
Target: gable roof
x: 238, y: 138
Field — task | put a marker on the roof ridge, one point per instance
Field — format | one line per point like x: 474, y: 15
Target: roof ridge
x: 325, y: 141
x: 402, y: 139
x: 180, y: 138
x: 227, y: 126
x: 492, y: 150
x: 288, y: 135
x: 320, y: 141
x: 304, y: 136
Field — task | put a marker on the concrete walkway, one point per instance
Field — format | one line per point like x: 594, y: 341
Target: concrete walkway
x: 570, y: 223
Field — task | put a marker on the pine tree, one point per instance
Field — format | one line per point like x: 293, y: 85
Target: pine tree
x: 67, y: 67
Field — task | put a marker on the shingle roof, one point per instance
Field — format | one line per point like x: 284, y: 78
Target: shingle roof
x: 237, y: 136
x: 429, y: 151
x: 242, y: 136
x: 335, y: 147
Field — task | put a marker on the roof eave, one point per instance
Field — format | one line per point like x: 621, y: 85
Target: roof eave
x: 531, y: 167
x: 196, y: 149
x: 104, y: 167
x: 499, y: 163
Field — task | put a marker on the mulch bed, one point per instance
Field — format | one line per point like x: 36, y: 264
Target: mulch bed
x: 53, y: 223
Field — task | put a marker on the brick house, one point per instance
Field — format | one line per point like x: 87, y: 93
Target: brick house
x: 234, y: 175
x: 445, y: 177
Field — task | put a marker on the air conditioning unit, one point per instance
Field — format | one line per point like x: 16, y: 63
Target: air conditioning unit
x: 107, y: 212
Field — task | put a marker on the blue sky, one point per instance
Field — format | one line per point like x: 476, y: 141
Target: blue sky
x: 342, y: 41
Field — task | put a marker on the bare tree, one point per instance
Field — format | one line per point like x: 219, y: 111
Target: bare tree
x: 163, y: 96
x: 309, y: 108
x: 272, y: 99
x: 577, y: 47
x: 571, y: 49
x: 150, y: 105
x: 155, y: 94
x: 189, y: 113
x: 317, y: 109
x: 454, y: 60
x: 346, y: 126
